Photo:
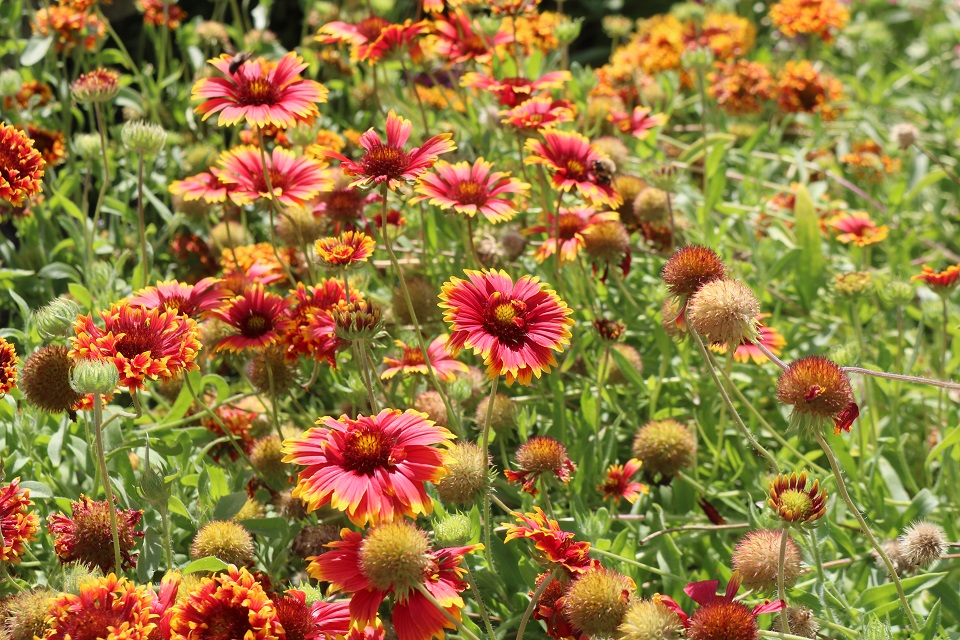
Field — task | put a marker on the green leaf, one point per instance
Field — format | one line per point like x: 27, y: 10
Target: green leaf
x: 882, y: 599
x: 37, y: 489
x: 208, y: 563
x: 809, y: 268
x: 952, y: 439
x: 55, y: 446
x: 36, y: 50
x: 58, y: 271
x: 267, y: 527
x: 932, y: 626
x: 229, y: 505
x: 81, y: 294
x: 175, y: 505
x: 628, y: 370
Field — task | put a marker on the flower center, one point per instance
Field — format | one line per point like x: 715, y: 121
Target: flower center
x: 570, y: 225
x: 367, y: 451
x: 470, y: 192
x: 344, y: 205
x: 795, y: 505
x: 371, y: 27
x: 575, y: 169
x: 723, y: 620
x: 91, y: 624
x: 413, y: 357
x: 257, y: 92
x: 227, y: 623
x: 276, y: 181
x: 135, y: 342
x: 383, y: 160
x: 255, y: 325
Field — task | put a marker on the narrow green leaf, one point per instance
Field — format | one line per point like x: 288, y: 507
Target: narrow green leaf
x: 37, y: 48
x: 229, y: 505
x: 809, y: 268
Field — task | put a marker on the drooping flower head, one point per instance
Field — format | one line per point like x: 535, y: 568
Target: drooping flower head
x: 191, y: 300
x: 539, y: 455
x: 21, y: 166
x: 942, y: 282
x: 537, y: 114
x: 258, y: 317
x: 515, y: 327
x: 573, y: 161
x: 388, y: 162
x: 471, y: 189
x: 639, y: 122
x: 720, y: 617
x: 618, y: 483
x: 556, y: 548
x: 372, y: 467
x: 511, y: 92
x: 8, y: 367
x: 857, y: 228
x: 818, y: 390
x: 395, y: 558
x: 259, y: 92
x: 794, y: 503
x: 295, y: 179
x: 227, y: 606
x: 142, y: 343
x: 103, y: 607
x: 573, y: 224
x: 86, y: 536
x: 413, y: 361
x: 349, y: 249
x: 809, y: 17
x: 688, y: 269
x: 18, y: 525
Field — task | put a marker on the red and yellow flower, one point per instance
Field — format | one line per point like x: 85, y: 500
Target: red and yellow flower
x: 372, y: 467
x: 539, y: 455
x: 515, y: 327
x: 141, y: 343
x: 203, y: 185
x: 537, y: 114
x: 343, y: 204
x: 191, y: 300
x: 387, y: 163
x: 857, y: 228
x: 103, y: 607
x: 514, y: 90
x: 259, y: 92
x: 8, y: 367
x: 573, y: 224
x: 52, y: 145
x: 456, y: 38
x: 159, y: 13
x: 350, y: 248
x: 573, y: 161
x: 638, y: 122
x: 809, y: 17
x: 86, y: 536
x: 373, y: 38
x: 294, y: 179
x: 617, y: 484
x: 802, y: 89
x: 258, y: 317
x: 412, y: 361
x: 71, y: 27
x: 557, y: 548
x: 311, y: 312
x: 21, y: 166
x: 18, y: 525
x: 471, y: 189
x: 940, y: 281
x: 741, y: 86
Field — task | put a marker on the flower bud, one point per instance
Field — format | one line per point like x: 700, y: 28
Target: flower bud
x: 617, y: 26
x: 453, y: 530
x: 897, y: 293
x: 154, y: 488
x: 357, y: 321
x: 55, y: 320
x: 143, y: 137
x: 568, y: 31
x: 87, y: 146
x: 95, y: 376
x: 489, y: 25
x: 10, y: 83
x: 100, y: 85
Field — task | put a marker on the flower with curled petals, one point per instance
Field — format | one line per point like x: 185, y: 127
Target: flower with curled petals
x: 794, y: 503
x: 8, y: 367
x: 413, y: 361
x: 557, y: 548
x: 373, y: 467
x: 387, y: 162
x: 205, y: 186
x: 456, y: 38
x: 809, y: 17
x: 537, y: 456
x: 537, y: 114
x: 228, y: 606
x: 802, y: 89
x: 741, y: 86
x: 471, y: 189
x: 395, y: 559
x: 638, y: 122
x: 513, y: 91
x: 294, y: 179
x: 572, y: 226
x: 259, y: 92
x: 515, y: 327
x: 258, y: 318
x: 86, y: 535
x: 349, y: 249
x: 941, y: 282
x: 18, y: 525
x: 103, y: 607
x: 617, y: 483
x: 396, y: 40
x: 573, y: 161
x: 311, y: 311
x: 21, y: 166
x: 191, y: 300
x: 142, y: 343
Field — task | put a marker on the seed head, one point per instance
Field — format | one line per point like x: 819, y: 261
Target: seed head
x: 311, y: 540
x: 596, y: 602
x: 757, y: 556
x: 467, y: 478
x: 691, y: 267
x: 45, y: 381
x: 395, y: 555
x: 612, y: 372
x: 223, y: 539
x: 423, y: 295
x: 665, y: 447
x: 905, y: 135
x: 650, y: 620
x: 504, y: 414
x: 272, y: 374
x: 431, y: 403
x: 607, y: 242
x: 723, y: 620
x: 801, y: 621
x: 266, y: 456
x: 922, y: 543
x: 817, y: 389
x: 651, y: 205
x: 724, y: 312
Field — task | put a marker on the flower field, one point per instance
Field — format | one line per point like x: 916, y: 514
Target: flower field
x: 481, y: 320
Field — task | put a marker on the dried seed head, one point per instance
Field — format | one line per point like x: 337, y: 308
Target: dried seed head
x: 395, y: 555
x: 691, y: 267
x: 922, y: 543
x: 665, y: 447
x: 650, y: 620
x: 596, y: 602
x: 467, y: 476
x: 757, y: 556
x: 724, y: 312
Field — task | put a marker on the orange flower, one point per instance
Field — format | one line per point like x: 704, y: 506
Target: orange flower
x: 557, y: 549
x: 802, y: 89
x: 939, y: 281
x: 617, y: 484
x: 727, y: 35
x: 457, y: 39
x: 18, y: 525
x: 100, y: 85
x: 70, y: 26
x: 350, y: 248
x: 741, y: 86
x: 32, y: 94
x: 311, y: 313
x: 373, y: 38
x: 867, y: 161
x: 21, y: 166
x: 52, y: 145
x: 104, y: 607
x: 158, y: 13
x: 858, y: 228
x: 809, y: 17
x: 659, y: 43
x: 574, y: 223
x: 8, y: 367
x: 637, y: 123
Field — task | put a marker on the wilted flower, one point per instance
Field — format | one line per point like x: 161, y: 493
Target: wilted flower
x: 45, y: 382
x: 537, y: 456
x: 86, y: 536
x: 922, y: 543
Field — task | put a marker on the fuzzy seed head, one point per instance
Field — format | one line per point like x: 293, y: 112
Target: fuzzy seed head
x: 923, y: 543
x: 266, y: 455
x: 607, y: 241
x: 757, y: 556
x: 395, y: 555
x: 651, y: 205
x: 724, y: 312
x: 467, y: 476
x: 271, y: 373
x: 541, y: 454
x: 905, y: 135
x: 227, y: 234
x: 24, y: 615
x: 504, y: 415
x: 423, y: 295
x: 226, y: 540
x: 650, y: 620
x: 312, y: 539
x: 596, y: 602
x: 723, y: 620
x: 801, y: 621
x: 815, y: 386
x: 691, y: 267
x: 431, y: 403
x: 298, y: 226
x: 45, y: 381
x: 665, y: 447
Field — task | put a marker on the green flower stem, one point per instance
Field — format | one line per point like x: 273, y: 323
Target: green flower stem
x: 943, y: 357
x: 500, y: 504
x: 784, y: 636
x: 429, y: 596
x: 773, y: 357
x: 781, y: 589
x: 893, y: 376
x: 452, y: 416
x: 726, y: 399
x: 645, y: 567
x: 600, y: 378
x: 167, y: 544
x: 7, y: 579
x: 108, y: 490
x: 479, y: 597
x: 821, y: 575
x: 533, y: 603
x: 484, y: 447
x: 362, y: 370
x: 141, y: 223
x: 98, y: 114
x: 273, y: 401
x: 413, y: 87
x: 841, y: 486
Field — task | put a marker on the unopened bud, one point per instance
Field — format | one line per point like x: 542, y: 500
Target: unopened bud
x: 95, y: 376
x: 143, y: 137
x: 56, y: 318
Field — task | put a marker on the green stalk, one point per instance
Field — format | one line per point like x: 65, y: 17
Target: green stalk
x: 485, y: 447
x: 781, y: 590
x: 533, y: 603
x: 144, y: 262
x: 102, y: 461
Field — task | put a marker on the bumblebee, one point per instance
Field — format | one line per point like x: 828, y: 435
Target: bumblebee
x: 604, y: 170
x: 238, y: 61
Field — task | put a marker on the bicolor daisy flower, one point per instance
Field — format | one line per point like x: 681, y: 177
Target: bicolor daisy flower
x: 258, y: 317
x: 537, y: 114
x: 618, y: 485
x: 18, y: 525
x: 573, y: 224
x: 720, y: 616
x: 456, y: 38
x: 573, y: 161
x: 103, y: 607
x: 364, y: 567
x: 21, y: 166
x: 259, y: 92
x: 857, y: 228
x: 343, y: 204
x: 142, y: 343
x: 513, y: 91
x: 204, y: 186
x: 350, y: 248
x: 471, y: 189
x: 388, y: 162
x: 396, y: 40
x: 637, y: 123
x: 372, y: 38
x: 372, y: 467
x: 940, y: 281
x: 747, y: 351
x: 515, y: 327
x: 556, y: 548
x: 227, y: 606
x: 311, y: 311
x: 316, y: 621
x: 8, y: 367
x: 52, y: 145
x: 413, y: 361
x: 294, y: 179
x: 191, y: 300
